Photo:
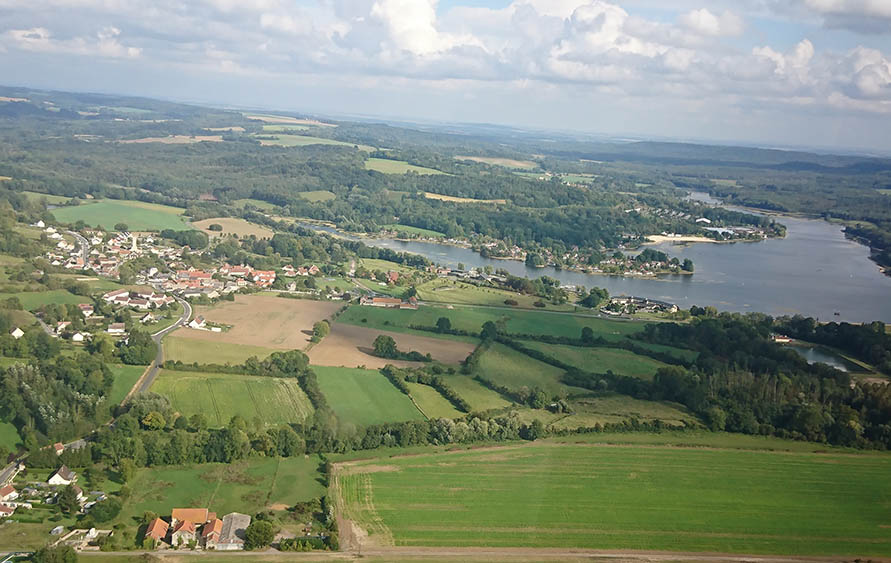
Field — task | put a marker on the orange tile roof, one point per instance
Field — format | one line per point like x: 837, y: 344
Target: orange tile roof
x: 157, y: 529
x: 215, y: 526
x: 198, y: 515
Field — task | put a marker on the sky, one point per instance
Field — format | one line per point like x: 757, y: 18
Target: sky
x: 809, y: 73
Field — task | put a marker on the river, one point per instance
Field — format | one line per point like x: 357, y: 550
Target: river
x: 814, y: 271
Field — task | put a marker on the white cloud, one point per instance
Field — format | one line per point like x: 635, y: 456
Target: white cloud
x: 706, y: 23
x: 103, y: 44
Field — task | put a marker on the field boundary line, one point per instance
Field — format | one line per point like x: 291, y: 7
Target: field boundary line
x: 138, y: 383
x: 213, y: 400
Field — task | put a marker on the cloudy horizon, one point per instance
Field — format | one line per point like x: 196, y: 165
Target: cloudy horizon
x: 813, y: 73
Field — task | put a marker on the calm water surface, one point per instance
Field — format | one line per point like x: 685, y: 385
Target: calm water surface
x: 814, y: 271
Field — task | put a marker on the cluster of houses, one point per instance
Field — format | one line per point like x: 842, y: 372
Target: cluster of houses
x: 198, y: 527
x: 142, y: 300
x: 625, y: 304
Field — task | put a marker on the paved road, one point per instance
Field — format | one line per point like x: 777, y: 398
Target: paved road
x: 149, y: 378
x: 84, y: 246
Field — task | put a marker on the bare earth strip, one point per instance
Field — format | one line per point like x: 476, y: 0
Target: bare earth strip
x: 263, y: 320
x: 351, y: 346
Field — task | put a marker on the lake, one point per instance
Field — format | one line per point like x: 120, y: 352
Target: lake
x: 816, y: 354
x: 814, y: 271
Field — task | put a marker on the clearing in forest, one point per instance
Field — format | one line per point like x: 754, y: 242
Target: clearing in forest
x: 498, y: 161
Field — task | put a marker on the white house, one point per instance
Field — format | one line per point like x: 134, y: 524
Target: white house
x: 17, y: 333
x: 62, y: 476
x: 8, y: 493
x: 6, y: 511
x: 116, y: 328
x: 197, y: 323
x: 77, y: 337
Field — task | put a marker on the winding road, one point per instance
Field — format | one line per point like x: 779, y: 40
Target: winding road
x: 145, y: 382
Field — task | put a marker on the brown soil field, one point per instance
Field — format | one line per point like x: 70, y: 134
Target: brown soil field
x: 284, y: 120
x: 263, y: 320
x: 175, y: 139
x: 351, y: 346
x: 454, y: 199
x: 506, y: 162
x: 233, y: 226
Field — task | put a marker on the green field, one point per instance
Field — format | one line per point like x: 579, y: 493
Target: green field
x: 387, y: 166
x: 611, y: 408
x: 601, y: 360
x: 305, y: 140
x: 471, y: 318
x: 191, y: 350
x: 125, y: 377
x: 32, y: 300
x: 258, y: 203
x: 284, y: 128
x: 9, y: 438
x: 631, y: 497
x: 137, y: 215
x: 509, y: 368
x: 431, y: 403
x: 364, y: 397
x: 456, y: 292
x: 479, y: 397
x: 220, y: 396
x: 414, y: 231
x: 50, y: 198
x: 316, y: 196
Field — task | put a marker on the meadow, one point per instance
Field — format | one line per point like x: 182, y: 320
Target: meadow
x: 601, y: 360
x: 506, y: 367
x: 258, y: 203
x: 9, y: 437
x: 497, y: 161
x: 443, y: 290
x: 625, y: 497
x: 32, y: 300
x: 49, y: 198
x: 125, y: 377
x: 221, y: 396
x: 284, y: 140
x: 479, y: 397
x: 364, y: 397
x: 137, y: 215
x: 191, y: 350
x: 611, y: 408
x: 233, y: 226
x: 432, y: 404
x: 388, y: 166
x: 316, y: 196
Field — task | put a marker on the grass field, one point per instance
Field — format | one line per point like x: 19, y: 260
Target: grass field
x: 316, y: 196
x: 414, y: 231
x: 9, y: 438
x: 387, y: 166
x: 615, y: 497
x: 471, y: 318
x: 190, y: 350
x: 287, y: 120
x: 601, y: 360
x: 137, y: 215
x: 284, y: 128
x: 221, y: 396
x: 456, y: 292
x: 505, y: 366
x: 364, y: 397
x: 456, y: 199
x: 125, y: 378
x: 611, y: 408
x: 32, y: 300
x: 431, y: 403
x: 233, y: 226
x: 50, y: 198
x: 479, y: 397
x: 258, y: 203
x: 496, y: 161
x: 284, y: 140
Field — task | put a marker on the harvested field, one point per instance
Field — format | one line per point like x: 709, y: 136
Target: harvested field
x: 453, y: 199
x: 175, y: 139
x: 506, y: 162
x: 233, y: 226
x: 284, y: 119
x: 263, y: 320
x: 351, y: 346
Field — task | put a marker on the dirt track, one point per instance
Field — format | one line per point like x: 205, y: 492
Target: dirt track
x: 350, y: 346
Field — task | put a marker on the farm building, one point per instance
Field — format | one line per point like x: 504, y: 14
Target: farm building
x: 116, y: 328
x: 58, y: 447
x: 8, y: 493
x: 232, y: 533
x: 210, y: 534
x: 157, y: 530
x: 195, y: 515
x: 183, y: 533
x: 17, y: 333
x: 6, y: 511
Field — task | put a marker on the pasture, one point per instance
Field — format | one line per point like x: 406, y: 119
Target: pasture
x: 455, y: 199
x: 497, y: 161
x: 125, y: 377
x: 178, y: 346
x: 441, y: 290
x: 220, y: 396
x: 431, y: 403
x: 479, y: 397
x: 137, y: 215
x: 624, y: 497
x: 388, y: 166
x: 285, y: 140
x: 263, y: 320
x: 470, y: 318
x: 315, y: 196
x: 49, y: 198
x: 364, y: 397
x: 233, y: 226
x: 601, y: 360
x: 352, y: 346
x: 611, y: 408
x: 506, y: 367
x: 9, y: 437
x: 258, y: 203
x: 32, y: 300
